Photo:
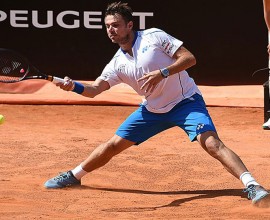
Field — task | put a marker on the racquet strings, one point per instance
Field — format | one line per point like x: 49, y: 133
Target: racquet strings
x: 12, y: 69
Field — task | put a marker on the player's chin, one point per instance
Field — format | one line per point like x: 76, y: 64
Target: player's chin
x: 113, y: 40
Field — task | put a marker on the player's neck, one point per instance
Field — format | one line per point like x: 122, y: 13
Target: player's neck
x: 127, y: 46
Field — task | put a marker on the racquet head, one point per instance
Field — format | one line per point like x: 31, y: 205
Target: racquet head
x: 13, y: 66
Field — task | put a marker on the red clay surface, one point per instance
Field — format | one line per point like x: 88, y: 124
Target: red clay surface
x: 167, y: 177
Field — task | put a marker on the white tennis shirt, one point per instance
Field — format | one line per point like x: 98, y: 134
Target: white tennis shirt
x: 153, y: 49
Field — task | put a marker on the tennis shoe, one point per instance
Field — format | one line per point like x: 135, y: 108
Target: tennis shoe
x: 258, y: 195
x: 62, y: 180
x: 266, y: 125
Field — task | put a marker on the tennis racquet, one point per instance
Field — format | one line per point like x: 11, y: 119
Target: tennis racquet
x: 14, y: 68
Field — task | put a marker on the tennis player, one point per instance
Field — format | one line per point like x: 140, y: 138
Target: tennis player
x: 154, y: 64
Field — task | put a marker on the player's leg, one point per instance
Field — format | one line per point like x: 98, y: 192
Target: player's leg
x: 232, y: 163
x: 98, y: 158
x: 199, y: 126
x: 213, y: 146
x: 192, y: 116
x: 137, y: 128
x: 104, y: 152
x: 266, y: 125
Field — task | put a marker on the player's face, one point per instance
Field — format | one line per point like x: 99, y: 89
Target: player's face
x: 117, y: 29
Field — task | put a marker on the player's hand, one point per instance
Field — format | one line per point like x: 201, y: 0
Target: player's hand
x: 151, y: 80
x: 68, y: 84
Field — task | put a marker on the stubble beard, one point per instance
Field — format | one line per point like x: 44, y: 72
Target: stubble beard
x: 124, y: 40
x: 121, y: 41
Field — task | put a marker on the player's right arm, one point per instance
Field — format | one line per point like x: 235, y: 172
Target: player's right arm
x: 88, y: 89
x: 97, y: 87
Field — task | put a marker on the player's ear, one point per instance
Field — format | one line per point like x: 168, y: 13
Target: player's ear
x: 130, y: 24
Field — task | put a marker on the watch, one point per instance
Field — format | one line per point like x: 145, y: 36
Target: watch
x: 164, y: 72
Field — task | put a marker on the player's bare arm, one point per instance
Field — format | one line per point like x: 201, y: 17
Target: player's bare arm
x: 97, y: 87
x: 90, y: 90
x: 183, y: 60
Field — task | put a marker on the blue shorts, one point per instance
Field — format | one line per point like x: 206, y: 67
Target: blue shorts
x: 190, y: 114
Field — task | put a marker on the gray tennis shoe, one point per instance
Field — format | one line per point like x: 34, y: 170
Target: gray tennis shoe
x: 62, y: 180
x: 258, y: 195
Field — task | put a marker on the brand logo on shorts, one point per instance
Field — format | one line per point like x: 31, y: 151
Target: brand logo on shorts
x: 200, y: 126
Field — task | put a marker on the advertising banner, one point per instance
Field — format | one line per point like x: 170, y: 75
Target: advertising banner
x: 227, y: 37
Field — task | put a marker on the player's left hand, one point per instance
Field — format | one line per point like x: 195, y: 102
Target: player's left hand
x: 152, y: 80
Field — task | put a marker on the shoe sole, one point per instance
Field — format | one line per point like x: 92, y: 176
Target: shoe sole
x: 64, y: 187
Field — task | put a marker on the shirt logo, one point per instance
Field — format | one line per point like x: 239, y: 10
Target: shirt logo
x: 167, y: 46
x: 145, y: 48
x: 121, y: 68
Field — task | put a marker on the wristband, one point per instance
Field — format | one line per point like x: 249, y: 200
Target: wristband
x: 78, y: 88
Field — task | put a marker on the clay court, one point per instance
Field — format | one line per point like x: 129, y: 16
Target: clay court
x: 168, y: 177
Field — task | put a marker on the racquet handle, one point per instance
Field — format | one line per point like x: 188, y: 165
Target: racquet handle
x: 56, y: 80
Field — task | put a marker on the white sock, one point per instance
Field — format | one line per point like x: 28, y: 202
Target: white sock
x: 247, y: 179
x: 79, y: 172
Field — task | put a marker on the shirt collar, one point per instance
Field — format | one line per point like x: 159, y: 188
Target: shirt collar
x: 134, y: 40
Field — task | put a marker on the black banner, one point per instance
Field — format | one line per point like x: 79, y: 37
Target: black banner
x: 228, y: 37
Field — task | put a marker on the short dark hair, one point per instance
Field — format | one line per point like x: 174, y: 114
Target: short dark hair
x: 120, y: 8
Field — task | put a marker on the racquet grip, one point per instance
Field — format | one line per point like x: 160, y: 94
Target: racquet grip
x: 56, y: 80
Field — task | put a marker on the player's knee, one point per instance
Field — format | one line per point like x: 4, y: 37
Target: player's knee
x: 213, y: 146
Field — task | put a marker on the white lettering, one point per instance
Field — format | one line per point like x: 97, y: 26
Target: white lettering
x: 142, y: 16
x: 49, y: 20
x: 60, y: 21
x: 87, y: 19
x: 14, y: 18
x: 3, y: 15
x: 90, y: 19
